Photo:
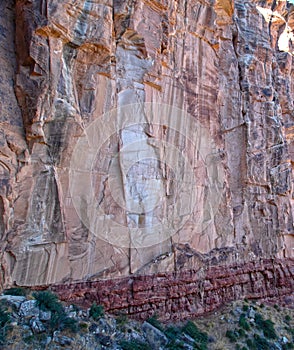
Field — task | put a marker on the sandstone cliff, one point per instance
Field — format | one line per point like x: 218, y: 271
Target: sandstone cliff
x: 228, y: 64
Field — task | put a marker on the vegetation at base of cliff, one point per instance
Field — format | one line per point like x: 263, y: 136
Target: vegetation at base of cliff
x: 96, y: 311
x: 122, y: 321
x: 155, y: 322
x: 201, y: 338
x: 267, y: 326
x: 243, y: 322
x: 48, y: 301
x: 40, y: 320
x: 4, y: 322
x: 258, y: 332
x: 17, y: 291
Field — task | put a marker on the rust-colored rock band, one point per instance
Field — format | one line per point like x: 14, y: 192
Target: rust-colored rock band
x: 186, y: 293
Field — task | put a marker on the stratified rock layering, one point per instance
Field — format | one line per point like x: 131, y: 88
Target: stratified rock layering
x: 185, y: 294
x: 227, y: 63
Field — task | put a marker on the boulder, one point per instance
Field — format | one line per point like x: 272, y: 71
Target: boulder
x: 37, y: 326
x: 13, y: 300
x: 29, y: 309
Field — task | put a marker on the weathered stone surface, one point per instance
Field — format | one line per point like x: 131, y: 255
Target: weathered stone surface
x: 227, y: 63
x: 29, y: 309
x: 62, y: 339
x: 44, y: 315
x: 37, y: 326
x: 13, y: 299
x: 186, y: 293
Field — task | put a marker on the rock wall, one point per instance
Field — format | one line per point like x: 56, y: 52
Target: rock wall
x: 66, y: 63
x: 186, y: 294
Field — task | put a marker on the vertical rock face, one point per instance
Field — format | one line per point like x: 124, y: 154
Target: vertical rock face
x: 228, y: 64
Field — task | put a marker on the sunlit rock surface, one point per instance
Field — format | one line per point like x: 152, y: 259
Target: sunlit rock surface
x: 64, y: 64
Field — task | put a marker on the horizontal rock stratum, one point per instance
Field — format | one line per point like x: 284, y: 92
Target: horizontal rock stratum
x: 186, y: 293
x: 146, y: 138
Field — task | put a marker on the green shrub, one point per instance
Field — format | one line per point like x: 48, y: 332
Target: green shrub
x: 269, y: 330
x: 96, y: 311
x: 287, y: 318
x: 267, y: 326
x: 121, y: 321
x: 243, y: 323
x: 245, y: 308
x: 155, y: 322
x: 68, y: 323
x: 193, y: 331
x: 241, y: 332
x: 231, y: 335
x: 201, y: 338
x: 172, y: 333
x: 47, y: 301
x: 60, y: 321
x: 17, y: 291
x: 4, y: 322
x: 258, y: 320
x: 249, y: 342
x: 134, y: 345
x: 260, y: 343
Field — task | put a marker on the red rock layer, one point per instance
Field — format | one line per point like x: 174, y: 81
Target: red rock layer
x: 185, y: 293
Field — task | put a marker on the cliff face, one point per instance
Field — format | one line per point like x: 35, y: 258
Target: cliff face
x: 186, y: 293
x: 67, y: 64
